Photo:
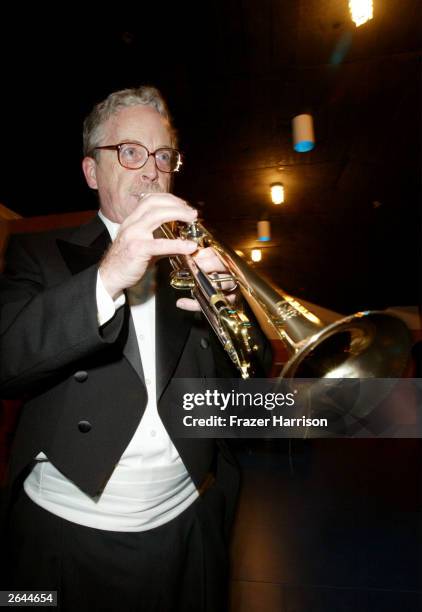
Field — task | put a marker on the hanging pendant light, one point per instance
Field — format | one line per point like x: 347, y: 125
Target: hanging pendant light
x: 264, y: 231
x: 303, y: 133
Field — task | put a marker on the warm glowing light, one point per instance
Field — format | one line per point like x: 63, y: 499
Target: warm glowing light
x: 240, y: 253
x: 256, y: 255
x: 361, y: 11
x: 277, y: 193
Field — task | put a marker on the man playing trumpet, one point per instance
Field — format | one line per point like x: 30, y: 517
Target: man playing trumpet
x: 106, y: 508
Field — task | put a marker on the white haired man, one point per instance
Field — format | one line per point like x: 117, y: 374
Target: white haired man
x: 113, y: 513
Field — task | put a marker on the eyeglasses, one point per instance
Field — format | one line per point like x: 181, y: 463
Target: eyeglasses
x: 133, y: 156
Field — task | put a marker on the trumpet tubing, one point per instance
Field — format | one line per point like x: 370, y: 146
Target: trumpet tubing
x: 369, y: 344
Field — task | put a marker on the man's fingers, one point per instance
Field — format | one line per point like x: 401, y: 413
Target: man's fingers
x: 156, y: 209
x: 188, y: 304
x: 153, y: 219
x: 163, y: 246
x: 208, y: 261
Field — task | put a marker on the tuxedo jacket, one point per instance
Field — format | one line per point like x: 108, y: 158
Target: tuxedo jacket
x: 82, y: 386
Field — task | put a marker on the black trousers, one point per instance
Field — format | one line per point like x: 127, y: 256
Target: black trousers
x: 178, y: 567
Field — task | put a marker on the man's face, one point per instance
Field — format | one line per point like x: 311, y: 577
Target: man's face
x: 119, y: 188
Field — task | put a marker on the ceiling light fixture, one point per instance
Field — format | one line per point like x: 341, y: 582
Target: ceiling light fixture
x: 277, y: 193
x: 361, y: 11
x: 256, y: 255
x: 264, y: 231
x: 303, y: 133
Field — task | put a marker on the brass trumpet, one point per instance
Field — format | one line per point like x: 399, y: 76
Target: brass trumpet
x: 369, y: 344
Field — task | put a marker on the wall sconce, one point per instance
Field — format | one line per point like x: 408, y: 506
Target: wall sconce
x: 303, y: 133
x: 256, y: 255
x: 361, y: 11
x: 277, y: 193
x: 264, y: 231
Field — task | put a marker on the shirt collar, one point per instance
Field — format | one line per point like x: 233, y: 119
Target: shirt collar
x: 112, y: 227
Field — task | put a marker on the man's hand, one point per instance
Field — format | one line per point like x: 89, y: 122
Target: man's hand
x: 126, y: 261
x: 209, y: 262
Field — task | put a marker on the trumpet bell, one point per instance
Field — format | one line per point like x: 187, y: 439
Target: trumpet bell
x: 368, y: 344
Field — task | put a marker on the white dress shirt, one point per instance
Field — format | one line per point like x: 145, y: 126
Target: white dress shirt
x: 150, y: 484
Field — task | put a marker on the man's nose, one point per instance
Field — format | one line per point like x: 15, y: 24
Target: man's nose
x: 149, y: 172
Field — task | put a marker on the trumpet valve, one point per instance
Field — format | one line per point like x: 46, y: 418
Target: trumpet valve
x: 181, y: 279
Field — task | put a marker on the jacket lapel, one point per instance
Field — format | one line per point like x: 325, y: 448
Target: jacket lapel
x: 86, y: 245
x: 85, y: 248
x: 172, y: 326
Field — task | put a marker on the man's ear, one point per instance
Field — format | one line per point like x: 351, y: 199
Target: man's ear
x: 89, y: 166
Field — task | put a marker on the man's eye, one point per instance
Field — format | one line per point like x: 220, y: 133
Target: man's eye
x: 130, y: 152
x: 164, y: 156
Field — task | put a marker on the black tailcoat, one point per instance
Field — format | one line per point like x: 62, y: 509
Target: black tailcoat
x: 83, y: 388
